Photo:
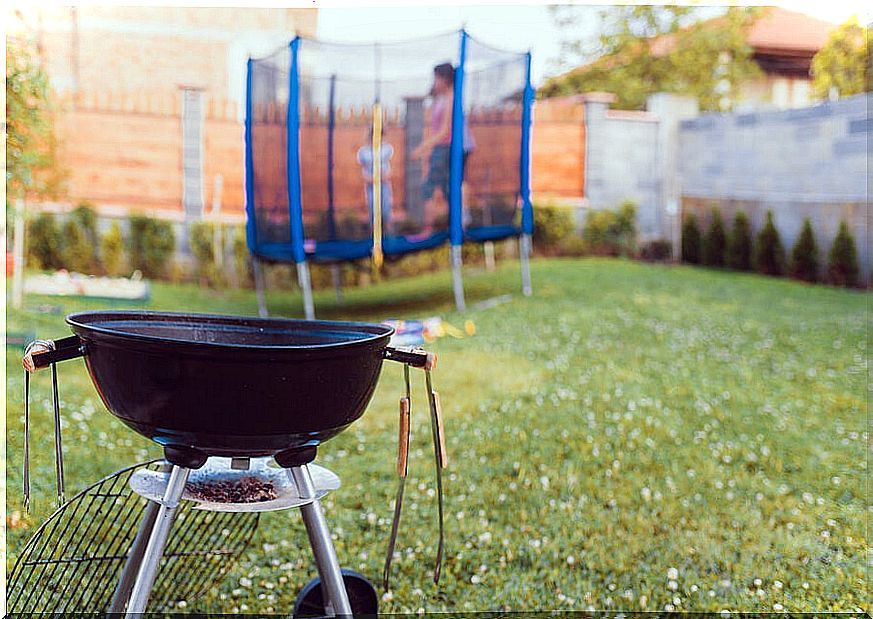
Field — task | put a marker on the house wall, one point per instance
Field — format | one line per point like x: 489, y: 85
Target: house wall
x: 807, y: 162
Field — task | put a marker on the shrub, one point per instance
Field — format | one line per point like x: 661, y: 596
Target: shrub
x: 79, y: 239
x: 843, y: 259
x: 690, y: 240
x: 769, y: 256
x: 573, y: 245
x: 44, y: 244
x: 112, y: 251
x: 201, y: 237
x: 151, y: 244
x: 242, y: 260
x: 739, y: 245
x: 552, y: 223
x: 77, y: 249
x: 714, y: 242
x: 804, y: 255
x: 86, y: 217
x: 659, y: 250
x: 611, y: 232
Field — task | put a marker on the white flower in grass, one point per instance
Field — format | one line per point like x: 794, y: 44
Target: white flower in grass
x: 778, y: 607
x: 672, y: 573
x: 672, y: 585
x: 725, y: 613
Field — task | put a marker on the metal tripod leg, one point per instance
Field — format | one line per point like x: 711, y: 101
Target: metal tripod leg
x: 151, y: 558
x: 134, y: 559
x: 337, y: 600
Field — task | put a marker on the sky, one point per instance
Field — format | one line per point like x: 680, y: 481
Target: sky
x: 516, y: 27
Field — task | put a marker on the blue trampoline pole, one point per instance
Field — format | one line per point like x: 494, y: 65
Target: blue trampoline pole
x: 295, y: 209
x: 456, y: 172
x: 525, y: 243
x: 251, y: 227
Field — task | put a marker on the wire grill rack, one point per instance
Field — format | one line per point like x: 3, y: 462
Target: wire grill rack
x: 74, y: 559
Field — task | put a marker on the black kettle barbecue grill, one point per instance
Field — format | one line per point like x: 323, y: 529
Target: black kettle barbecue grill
x: 223, y: 395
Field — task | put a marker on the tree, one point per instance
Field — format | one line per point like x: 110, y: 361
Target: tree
x: 842, y: 64
x: 804, y: 255
x: 769, y: 256
x: 690, y: 240
x: 714, y: 241
x: 739, y: 247
x: 843, y: 259
x: 649, y: 49
x: 31, y: 147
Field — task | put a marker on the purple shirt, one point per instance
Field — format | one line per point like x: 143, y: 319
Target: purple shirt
x: 438, y: 112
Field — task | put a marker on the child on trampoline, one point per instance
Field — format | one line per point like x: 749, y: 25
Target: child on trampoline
x: 365, y: 159
x: 437, y: 146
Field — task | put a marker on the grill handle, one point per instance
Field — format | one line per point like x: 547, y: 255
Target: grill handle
x: 41, y: 354
x: 416, y: 357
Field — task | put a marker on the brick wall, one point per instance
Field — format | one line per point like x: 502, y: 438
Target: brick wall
x: 124, y: 152
x: 558, y: 149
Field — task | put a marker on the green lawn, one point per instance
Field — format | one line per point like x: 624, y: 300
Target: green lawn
x: 632, y: 437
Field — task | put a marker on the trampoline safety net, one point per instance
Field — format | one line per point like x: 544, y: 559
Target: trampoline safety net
x: 451, y: 167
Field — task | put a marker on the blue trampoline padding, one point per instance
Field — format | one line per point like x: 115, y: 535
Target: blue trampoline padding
x: 332, y: 251
x: 491, y: 233
x: 395, y: 245
x: 274, y: 252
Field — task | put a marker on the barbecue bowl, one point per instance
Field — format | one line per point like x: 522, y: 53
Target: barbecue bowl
x: 229, y: 385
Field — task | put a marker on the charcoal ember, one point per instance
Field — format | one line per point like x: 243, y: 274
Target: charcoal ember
x: 242, y: 490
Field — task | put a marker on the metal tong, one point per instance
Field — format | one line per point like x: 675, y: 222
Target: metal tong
x: 427, y: 362
x: 37, y: 355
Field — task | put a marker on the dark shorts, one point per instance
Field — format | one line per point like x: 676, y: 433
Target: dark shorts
x: 439, y: 171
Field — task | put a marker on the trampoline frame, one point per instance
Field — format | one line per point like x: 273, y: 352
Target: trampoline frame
x: 295, y: 249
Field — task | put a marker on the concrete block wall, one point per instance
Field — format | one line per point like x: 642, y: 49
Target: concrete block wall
x: 807, y: 162
x: 629, y: 155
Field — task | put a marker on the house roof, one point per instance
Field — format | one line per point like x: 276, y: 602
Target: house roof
x: 778, y: 28
x: 774, y: 31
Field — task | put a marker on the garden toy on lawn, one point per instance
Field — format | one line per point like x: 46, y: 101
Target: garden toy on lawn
x: 240, y: 406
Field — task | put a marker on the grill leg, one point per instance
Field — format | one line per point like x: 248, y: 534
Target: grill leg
x: 134, y: 559
x: 337, y: 601
x: 151, y: 559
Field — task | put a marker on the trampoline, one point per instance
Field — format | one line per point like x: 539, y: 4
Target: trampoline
x: 358, y: 151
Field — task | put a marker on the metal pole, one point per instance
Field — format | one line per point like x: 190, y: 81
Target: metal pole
x: 18, y: 257
x: 336, y: 598
x: 457, y: 281
x: 336, y: 275
x: 134, y: 559
x: 306, y: 287
x: 259, y: 287
x: 524, y: 247
x: 145, y: 579
x: 488, y: 248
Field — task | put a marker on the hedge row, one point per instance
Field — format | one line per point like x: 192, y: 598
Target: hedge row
x: 766, y: 254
